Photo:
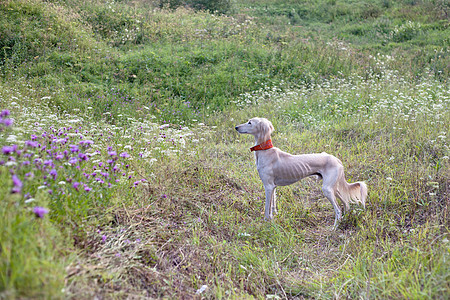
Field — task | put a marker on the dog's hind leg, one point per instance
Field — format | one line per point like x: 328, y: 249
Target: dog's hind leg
x: 328, y: 188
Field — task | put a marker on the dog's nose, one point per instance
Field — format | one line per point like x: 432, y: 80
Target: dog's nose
x: 236, y: 128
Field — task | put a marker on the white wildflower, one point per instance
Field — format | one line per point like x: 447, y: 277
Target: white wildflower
x: 201, y: 289
x: 11, y: 138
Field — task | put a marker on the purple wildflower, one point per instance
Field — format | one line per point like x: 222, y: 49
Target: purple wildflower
x: 31, y: 144
x: 53, y: 173
x: 76, y: 185
x: 83, y: 156
x: 112, y: 153
x: 74, y: 148
x: 86, y: 142
x: 73, y: 160
x: 40, y: 212
x: 124, y: 155
x: 87, y: 189
x: 17, y: 185
x: 4, y: 113
x: 7, y: 150
x: 103, y: 238
x: 7, y: 122
x: 164, y: 196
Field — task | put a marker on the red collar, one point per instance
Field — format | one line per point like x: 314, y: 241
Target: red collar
x: 264, y: 146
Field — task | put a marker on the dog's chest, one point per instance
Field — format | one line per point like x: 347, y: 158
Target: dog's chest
x: 264, y: 163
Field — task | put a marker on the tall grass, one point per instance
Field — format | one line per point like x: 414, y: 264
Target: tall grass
x: 196, y: 58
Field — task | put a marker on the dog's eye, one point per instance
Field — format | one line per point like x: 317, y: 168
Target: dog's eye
x: 249, y: 122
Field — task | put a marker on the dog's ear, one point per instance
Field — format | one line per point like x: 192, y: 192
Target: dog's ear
x: 265, y: 128
x: 271, y: 129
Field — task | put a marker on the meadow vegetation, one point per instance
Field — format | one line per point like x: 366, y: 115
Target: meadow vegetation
x: 121, y: 174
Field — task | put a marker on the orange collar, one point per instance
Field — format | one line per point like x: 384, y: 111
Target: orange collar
x: 264, y: 146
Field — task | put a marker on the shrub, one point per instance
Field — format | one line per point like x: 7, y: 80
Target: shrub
x: 405, y: 32
x: 221, y: 6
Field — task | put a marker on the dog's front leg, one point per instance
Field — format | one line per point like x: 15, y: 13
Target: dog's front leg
x: 273, y: 206
x: 270, y: 190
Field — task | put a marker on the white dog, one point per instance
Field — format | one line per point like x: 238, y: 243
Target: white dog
x: 278, y: 168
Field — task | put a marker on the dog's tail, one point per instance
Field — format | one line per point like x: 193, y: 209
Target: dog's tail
x: 351, y: 192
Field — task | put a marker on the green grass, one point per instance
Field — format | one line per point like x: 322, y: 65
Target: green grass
x: 162, y: 196
x: 28, y: 258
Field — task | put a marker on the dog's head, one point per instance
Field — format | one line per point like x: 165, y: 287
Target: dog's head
x: 260, y: 128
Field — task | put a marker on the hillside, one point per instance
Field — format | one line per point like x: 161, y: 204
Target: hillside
x: 122, y: 175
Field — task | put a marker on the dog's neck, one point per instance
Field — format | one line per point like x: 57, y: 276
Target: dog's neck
x: 259, y: 139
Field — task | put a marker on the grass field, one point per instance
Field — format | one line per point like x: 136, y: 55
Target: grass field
x: 121, y: 174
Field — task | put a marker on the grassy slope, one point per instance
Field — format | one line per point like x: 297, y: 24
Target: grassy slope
x: 198, y: 220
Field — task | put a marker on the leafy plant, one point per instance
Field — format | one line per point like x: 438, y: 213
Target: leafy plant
x: 220, y: 6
